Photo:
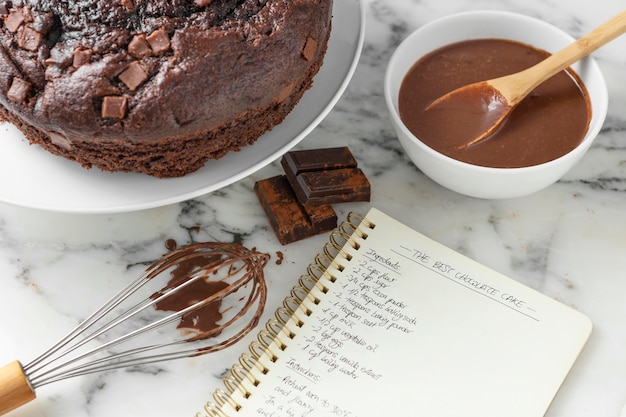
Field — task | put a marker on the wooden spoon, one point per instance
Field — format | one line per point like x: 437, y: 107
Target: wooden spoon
x: 482, y: 107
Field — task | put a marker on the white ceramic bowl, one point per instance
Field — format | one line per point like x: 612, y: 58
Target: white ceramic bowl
x: 473, y: 180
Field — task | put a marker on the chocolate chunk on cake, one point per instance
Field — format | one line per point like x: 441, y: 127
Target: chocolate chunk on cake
x: 152, y: 86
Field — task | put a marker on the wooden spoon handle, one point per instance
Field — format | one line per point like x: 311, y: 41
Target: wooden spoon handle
x: 15, y: 390
x: 527, y: 80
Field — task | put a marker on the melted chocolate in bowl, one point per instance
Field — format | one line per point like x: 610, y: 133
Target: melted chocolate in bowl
x: 546, y: 125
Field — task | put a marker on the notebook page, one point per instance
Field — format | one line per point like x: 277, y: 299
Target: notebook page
x: 411, y: 327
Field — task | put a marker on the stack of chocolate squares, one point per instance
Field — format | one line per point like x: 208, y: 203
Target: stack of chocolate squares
x: 299, y: 203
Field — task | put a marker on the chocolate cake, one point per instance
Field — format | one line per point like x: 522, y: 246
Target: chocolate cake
x: 153, y: 86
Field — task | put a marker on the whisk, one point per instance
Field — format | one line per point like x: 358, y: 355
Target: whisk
x: 197, y: 299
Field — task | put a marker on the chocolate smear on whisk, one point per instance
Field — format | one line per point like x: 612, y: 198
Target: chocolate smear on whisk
x: 204, y: 319
x: 200, y: 281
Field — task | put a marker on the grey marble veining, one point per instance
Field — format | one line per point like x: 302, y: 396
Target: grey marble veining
x: 567, y: 241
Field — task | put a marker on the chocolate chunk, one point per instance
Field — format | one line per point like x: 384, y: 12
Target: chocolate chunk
x: 14, y: 20
x: 29, y: 39
x: 60, y: 140
x: 318, y: 159
x: 202, y: 3
x: 133, y: 76
x: 285, y: 92
x: 19, y: 90
x: 81, y: 57
x: 326, y: 176
x: 290, y: 220
x: 309, y: 49
x: 323, y: 217
x: 159, y: 41
x: 139, y: 47
x: 3, y: 10
x: 331, y: 186
x: 114, y: 107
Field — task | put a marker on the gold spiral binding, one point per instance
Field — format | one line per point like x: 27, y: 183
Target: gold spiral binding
x: 346, y: 233
x: 322, y: 265
x: 297, y: 310
x: 315, y: 270
x: 349, y: 227
x: 240, y: 373
x: 221, y: 398
x: 303, y: 294
x: 284, y: 316
x: 248, y: 362
x: 349, y: 230
x: 310, y: 283
x: 213, y: 409
x: 261, y: 364
x: 266, y: 338
x: 356, y: 218
x: 324, y: 260
x: 332, y: 251
x: 232, y: 384
x: 334, y: 242
x: 358, y: 231
x: 254, y: 348
x: 278, y: 330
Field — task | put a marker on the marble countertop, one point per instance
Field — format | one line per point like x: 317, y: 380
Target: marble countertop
x: 567, y: 241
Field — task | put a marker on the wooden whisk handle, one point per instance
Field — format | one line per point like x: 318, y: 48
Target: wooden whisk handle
x: 15, y: 390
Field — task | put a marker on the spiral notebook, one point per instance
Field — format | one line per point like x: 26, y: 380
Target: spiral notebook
x: 387, y: 322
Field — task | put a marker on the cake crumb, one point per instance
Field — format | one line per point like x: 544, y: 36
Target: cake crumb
x: 281, y: 257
